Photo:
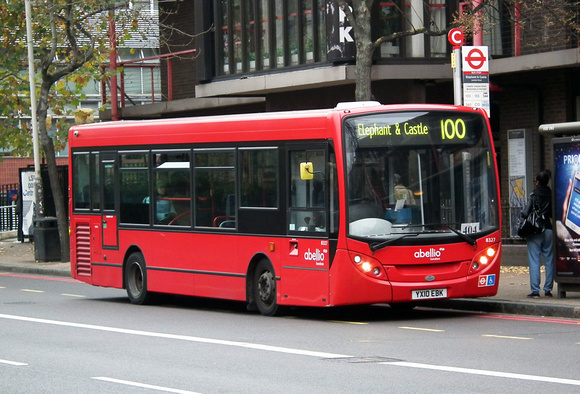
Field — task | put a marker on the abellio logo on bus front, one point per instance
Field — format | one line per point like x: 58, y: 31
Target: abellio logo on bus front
x: 431, y: 253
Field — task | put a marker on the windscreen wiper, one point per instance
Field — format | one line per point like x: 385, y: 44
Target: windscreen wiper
x: 380, y: 245
x: 463, y: 236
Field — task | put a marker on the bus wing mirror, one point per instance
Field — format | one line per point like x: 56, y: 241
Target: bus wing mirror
x: 306, y: 171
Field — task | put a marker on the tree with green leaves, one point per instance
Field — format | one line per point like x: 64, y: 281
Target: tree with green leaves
x: 71, y: 40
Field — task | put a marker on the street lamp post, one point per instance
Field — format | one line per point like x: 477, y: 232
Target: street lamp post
x: 31, y: 77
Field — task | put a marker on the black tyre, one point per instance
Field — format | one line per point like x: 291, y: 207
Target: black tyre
x: 403, y: 307
x: 265, y: 289
x: 136, y: 280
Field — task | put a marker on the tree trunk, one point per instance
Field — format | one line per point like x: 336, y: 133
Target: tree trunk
x: 364, y: 49
x: 55, y: 183
x: 364, y: 65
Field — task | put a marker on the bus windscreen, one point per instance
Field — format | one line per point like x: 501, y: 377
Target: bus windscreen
x: 419, y: 173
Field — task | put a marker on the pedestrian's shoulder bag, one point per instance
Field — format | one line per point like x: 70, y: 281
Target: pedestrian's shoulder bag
x: 533, y: 223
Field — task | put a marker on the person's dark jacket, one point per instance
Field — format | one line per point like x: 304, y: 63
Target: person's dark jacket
x: 542, y: 198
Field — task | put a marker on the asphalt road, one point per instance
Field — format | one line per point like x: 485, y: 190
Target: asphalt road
x: 58, y: 335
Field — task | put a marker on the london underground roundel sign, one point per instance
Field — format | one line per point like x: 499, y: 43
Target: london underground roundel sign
x: 475, y: 59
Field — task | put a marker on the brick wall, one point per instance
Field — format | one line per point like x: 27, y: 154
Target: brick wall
x: 526, y: 101
x: 10, y: 168
x: 547, y: 25
x: 178, y: 19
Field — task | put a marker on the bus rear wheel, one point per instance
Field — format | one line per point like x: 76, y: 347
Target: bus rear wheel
x: 265, y: 289
x: 136, y: 280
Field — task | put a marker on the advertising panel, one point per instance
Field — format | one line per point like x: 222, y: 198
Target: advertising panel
x: 567, y: 208
x: 520, y: 174
x: 27, y: 210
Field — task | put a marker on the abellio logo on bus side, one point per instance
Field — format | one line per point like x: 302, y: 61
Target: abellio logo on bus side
x: 431, y: 253
x: 318, y: 256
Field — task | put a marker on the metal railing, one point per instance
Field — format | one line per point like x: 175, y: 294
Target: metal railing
x: 119, y: 87
x: 8, y: 218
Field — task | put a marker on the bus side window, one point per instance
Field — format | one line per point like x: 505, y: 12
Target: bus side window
x: 86, y: 191
x: 215, y: 188
x: 172, y: 194
x: 134, y: 184
x: 81, y: 181
x: 259, y: 178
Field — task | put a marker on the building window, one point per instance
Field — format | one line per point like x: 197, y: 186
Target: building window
x: 418, y: 15
x: 257, y: 35
x: 390, y: 23
x: 140, y: 80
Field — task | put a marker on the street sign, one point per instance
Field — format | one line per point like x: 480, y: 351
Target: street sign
x: 455, y: 37
x: 475, y: 59
x: 475, y: 68
x: 12, y: 196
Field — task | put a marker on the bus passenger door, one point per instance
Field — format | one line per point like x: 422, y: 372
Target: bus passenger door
x: 108, y: 212
x: 304, y: 279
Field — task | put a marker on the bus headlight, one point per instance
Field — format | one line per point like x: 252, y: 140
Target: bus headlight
x: 369, y: 266
x: 483, y: 258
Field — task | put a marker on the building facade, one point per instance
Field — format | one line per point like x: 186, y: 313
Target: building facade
x: 266, y: 55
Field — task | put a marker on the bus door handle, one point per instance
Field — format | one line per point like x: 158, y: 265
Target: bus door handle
x: 293, y: 248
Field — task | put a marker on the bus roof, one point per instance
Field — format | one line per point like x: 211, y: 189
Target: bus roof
x: 313, y: 124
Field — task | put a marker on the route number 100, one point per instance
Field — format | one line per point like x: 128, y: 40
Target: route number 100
x: 452, y: 129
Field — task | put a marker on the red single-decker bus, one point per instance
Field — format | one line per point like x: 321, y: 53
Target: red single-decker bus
x: 359, y: 204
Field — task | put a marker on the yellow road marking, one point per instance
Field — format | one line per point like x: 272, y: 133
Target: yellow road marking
x: 347, y: 322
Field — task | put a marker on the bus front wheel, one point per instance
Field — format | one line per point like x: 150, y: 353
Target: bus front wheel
x: 265, y: 289
x: 136, y: 279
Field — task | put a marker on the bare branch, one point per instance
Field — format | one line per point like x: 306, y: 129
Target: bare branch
x: 413, y: 32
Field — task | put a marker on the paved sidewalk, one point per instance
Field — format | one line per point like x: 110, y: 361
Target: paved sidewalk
x: 19, y: 257
x: 511, y: 298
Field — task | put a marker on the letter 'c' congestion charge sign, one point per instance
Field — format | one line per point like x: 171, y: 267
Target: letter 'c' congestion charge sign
x: 455, y: 37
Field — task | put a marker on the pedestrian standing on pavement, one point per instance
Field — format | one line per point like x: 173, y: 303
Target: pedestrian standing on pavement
x: 541, y: 244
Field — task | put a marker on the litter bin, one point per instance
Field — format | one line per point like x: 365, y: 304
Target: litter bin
x: 46, y: 239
